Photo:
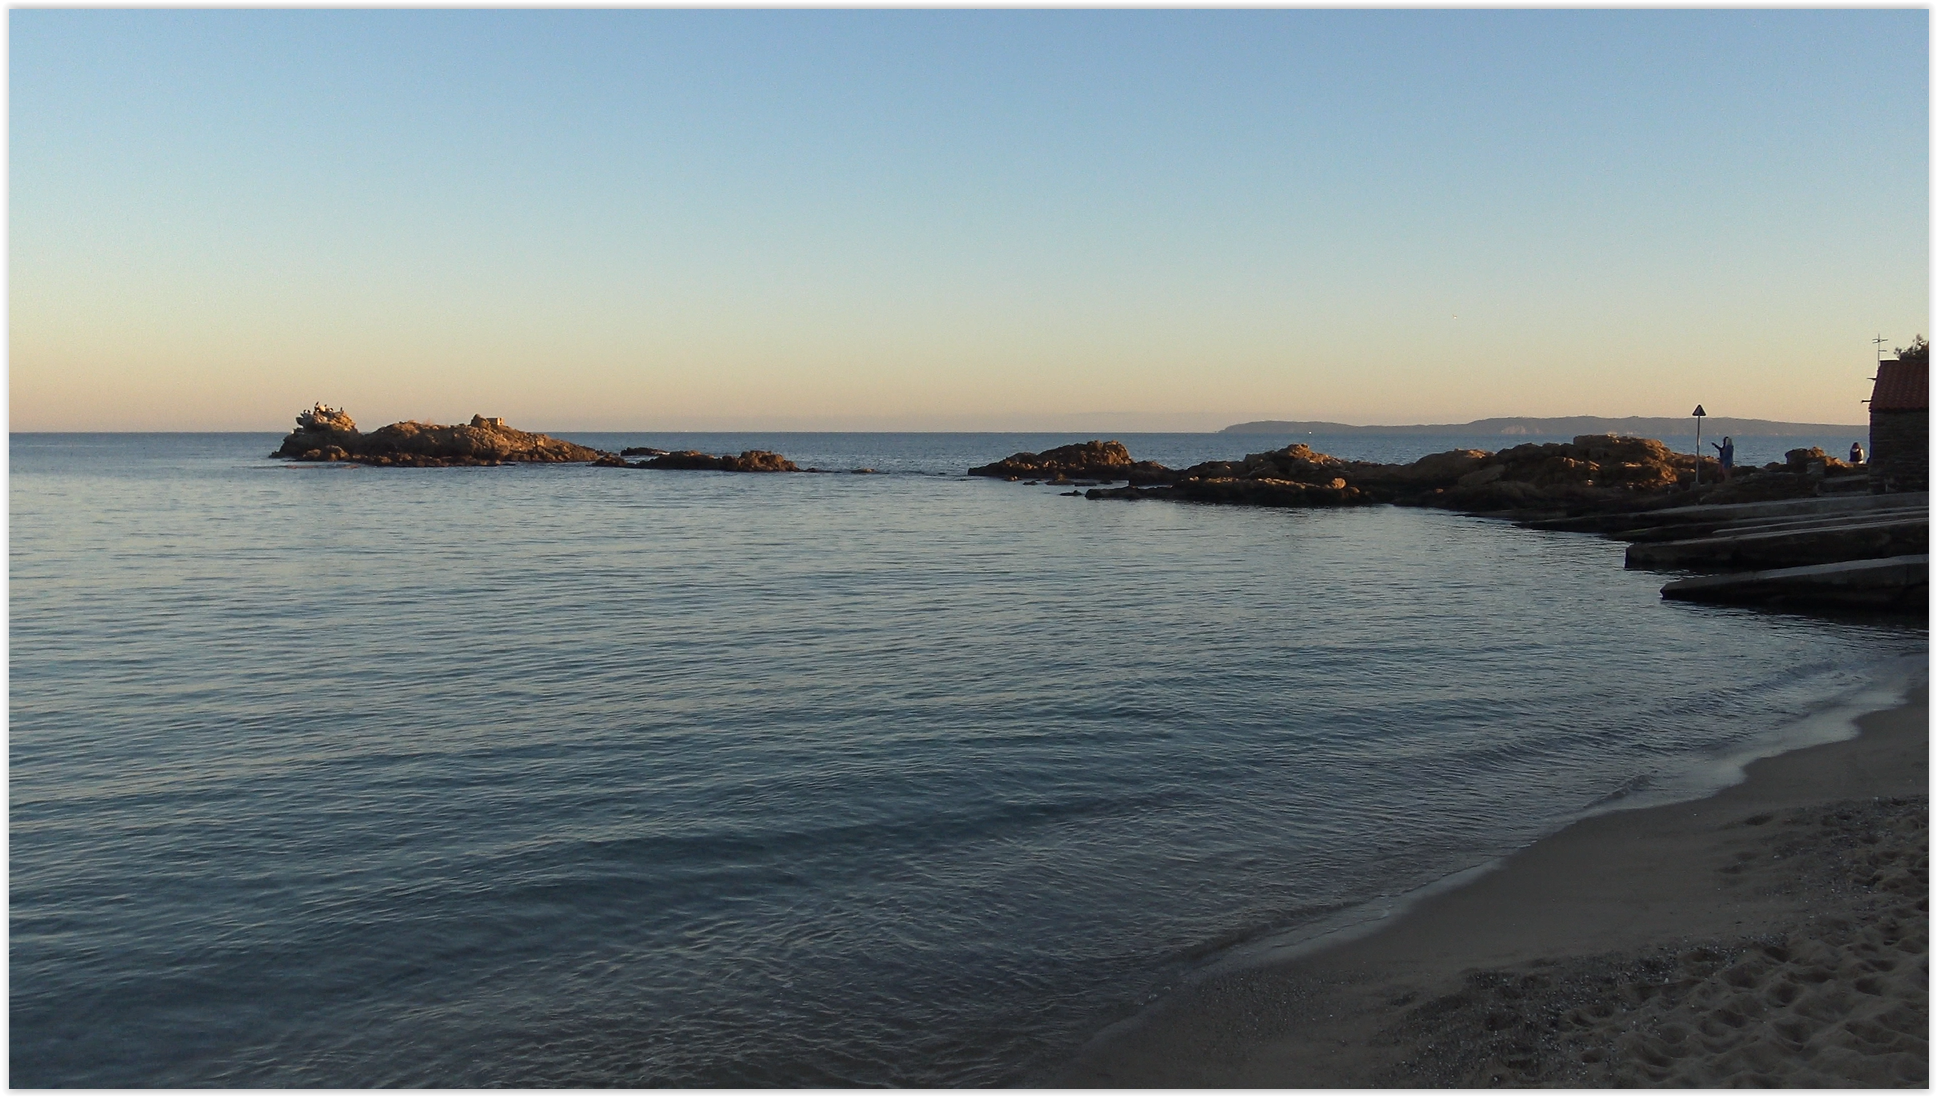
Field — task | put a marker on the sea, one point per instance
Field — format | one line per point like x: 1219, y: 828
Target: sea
x: 569, y: 776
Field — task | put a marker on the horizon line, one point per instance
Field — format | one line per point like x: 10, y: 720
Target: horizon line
x: 988, y: 430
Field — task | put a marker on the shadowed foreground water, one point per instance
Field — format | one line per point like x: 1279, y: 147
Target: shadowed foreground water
x: 549, y: 776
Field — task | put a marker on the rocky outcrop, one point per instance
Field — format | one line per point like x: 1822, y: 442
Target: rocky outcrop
x: 1296, y: 476
x: 1430, y: 471
x: 324, y: 433
x: 1812, y: 461
x: 323, y: 417
x: 1752, y: 485
x: 1592, y: 474
x: 1092, y: 460
x: 753, y: 460
x: 757, y: 460
x: 1297, y: 463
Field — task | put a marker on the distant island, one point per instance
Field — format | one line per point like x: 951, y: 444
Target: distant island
x: 1644, y: 426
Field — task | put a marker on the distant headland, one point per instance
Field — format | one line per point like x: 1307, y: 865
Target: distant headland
x: 1644, y: 426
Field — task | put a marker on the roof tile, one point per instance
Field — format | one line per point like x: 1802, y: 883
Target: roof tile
x: 1901, y: 386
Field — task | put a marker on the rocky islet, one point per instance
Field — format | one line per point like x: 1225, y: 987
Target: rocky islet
x: 328, y: 434
x: 324, y: 433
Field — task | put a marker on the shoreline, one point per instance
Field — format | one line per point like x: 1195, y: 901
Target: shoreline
x: 1751, y: 935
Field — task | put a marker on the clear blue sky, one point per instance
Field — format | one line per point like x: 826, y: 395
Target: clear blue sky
x: 959, y: 220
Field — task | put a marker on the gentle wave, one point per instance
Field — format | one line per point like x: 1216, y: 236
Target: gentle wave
x: 578, y: 776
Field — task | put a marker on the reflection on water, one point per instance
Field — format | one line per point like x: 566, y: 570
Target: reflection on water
x: 550, y: 776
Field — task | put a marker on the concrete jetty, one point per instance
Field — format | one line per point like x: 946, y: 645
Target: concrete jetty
x: 1894, y: 582
x: 1719, y: 525
x: 1841, y: 549
x: 1717, y: 515
x: 1789, y: 545
x: 1837, y: 550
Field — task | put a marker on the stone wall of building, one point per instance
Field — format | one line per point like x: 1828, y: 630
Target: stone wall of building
x: 1900, y: 450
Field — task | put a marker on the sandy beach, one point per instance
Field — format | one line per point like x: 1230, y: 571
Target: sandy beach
x: 1775, y: 933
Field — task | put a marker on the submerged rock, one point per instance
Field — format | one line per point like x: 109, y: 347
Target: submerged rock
x: 324, y: 433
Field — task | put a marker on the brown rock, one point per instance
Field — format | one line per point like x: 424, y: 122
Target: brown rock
x: 435, y: 442
x: 758, y: 460
x: 1592, y: 474
x: 753, y: 460
x: 328, y: 434
x: 1149, y: 472
x: 1761, y: 485
x: 1093, y: 459
x: 323, y: 417
x: 1447, y: 467
x: 1297, y: 462
x: 1814, y: 460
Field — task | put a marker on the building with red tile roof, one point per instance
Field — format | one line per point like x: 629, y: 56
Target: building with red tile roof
x: 1900, y: 424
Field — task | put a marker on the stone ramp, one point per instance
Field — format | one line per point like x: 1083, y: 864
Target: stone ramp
x: 1895, y: 582
x: 1860, y: 537
x: 1711, y: 528
x: 1721, y: 514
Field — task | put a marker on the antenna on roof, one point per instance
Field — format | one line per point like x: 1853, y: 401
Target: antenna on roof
x: 1879, y: 348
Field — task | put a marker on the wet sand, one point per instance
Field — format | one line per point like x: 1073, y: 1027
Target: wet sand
x: 1775, y: 933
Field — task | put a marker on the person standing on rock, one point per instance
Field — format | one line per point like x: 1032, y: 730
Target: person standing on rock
x: 1727, y: 449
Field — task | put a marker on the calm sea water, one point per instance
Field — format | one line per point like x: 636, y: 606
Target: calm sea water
x: 330, y: 776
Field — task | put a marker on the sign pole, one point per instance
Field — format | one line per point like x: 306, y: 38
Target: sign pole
x: 1699, y: 413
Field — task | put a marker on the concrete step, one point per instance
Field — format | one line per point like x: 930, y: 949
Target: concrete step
x: 1814, y: 504
x: 1689, y: 530
x: 1856, y: 539
x: 1895, y: 582
x: 1615, y: 524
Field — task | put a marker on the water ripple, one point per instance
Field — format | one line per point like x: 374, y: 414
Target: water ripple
x: 579, y: 777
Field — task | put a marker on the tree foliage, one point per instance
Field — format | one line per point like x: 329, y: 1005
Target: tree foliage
x: 1918, y: 351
